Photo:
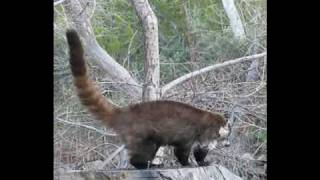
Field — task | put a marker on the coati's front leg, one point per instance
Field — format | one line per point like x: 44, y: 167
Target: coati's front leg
x: 139, y: 160
x: 142, y: 154
x: 200, y: 154
x: 182, y: 153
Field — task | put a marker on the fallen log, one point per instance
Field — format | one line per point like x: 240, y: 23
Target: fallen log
x: 212, y: 172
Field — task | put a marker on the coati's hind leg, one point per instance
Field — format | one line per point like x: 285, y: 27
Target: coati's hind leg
x: 142, y: 154
x: 200, y: 154
x: 182, y: 152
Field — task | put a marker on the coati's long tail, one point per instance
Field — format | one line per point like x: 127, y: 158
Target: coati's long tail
x: 88, y: 93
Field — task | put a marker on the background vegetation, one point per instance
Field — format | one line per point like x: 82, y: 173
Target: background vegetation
x: 80, y: 140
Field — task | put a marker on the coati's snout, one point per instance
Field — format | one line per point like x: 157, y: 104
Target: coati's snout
x: 224, y: 131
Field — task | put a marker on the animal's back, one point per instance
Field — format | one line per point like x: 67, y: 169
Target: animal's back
x: 165, y: 121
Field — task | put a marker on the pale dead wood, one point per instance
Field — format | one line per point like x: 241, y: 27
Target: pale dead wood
x: 55, y: 3
x: 234, y: 18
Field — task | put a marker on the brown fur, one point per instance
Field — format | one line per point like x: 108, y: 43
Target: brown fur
x: 144, y: 127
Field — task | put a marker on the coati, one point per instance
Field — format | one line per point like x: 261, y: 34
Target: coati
x: 144, y: 127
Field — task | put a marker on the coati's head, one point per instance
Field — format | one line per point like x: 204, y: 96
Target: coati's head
x: 216, y: 129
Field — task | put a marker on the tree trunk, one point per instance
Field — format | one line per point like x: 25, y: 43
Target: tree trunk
x: 151, y: 47
x: 114, y: 71
x: 234, y: 18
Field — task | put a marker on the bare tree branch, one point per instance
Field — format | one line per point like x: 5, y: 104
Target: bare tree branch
x: 206, y: 69
x: 115, y: 153
x: 114, y: 71
x: 55, y: 3
x: 234, y: 18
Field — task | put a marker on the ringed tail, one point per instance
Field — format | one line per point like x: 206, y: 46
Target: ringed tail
x: 88, y: 93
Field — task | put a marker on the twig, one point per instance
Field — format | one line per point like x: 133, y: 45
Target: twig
x: 209, y: 68
x: 58, y: 2
x: 257, y: 89
x: 130, y: 84
x: 129, y: 51
x: 85, y: 126
x: 256, y: 151
x: 93, y: 8
x: 250, y: 124
x: 95, y: 147
x: 111, y: 156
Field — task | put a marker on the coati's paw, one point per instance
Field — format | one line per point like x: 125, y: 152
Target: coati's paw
x: 156, y: 165
x: 204, y: 163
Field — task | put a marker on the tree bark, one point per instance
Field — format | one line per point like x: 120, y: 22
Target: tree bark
x: 234, y: 18
x: 151, y: 47
x: 114, y: 71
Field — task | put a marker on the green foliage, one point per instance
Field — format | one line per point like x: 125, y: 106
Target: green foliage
x: 261, y: 136
x: 119, y: 32
x: 114, y: 24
